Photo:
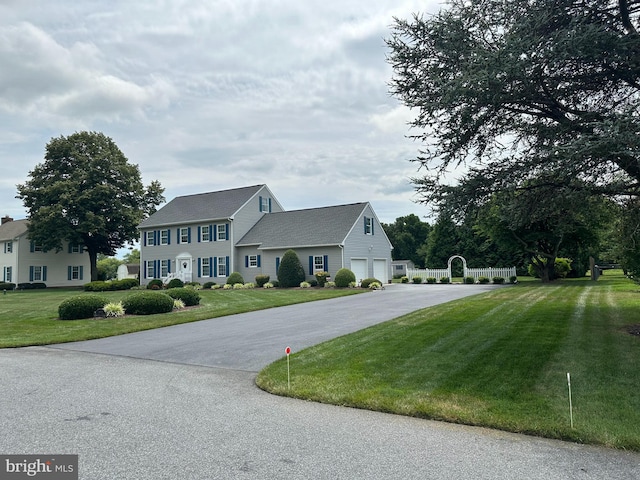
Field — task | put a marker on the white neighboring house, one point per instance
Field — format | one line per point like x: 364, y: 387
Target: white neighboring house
x: 22, y: 261
x: 205, y: 237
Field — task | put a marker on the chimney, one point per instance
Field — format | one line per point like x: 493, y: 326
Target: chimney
x: 6, y: 219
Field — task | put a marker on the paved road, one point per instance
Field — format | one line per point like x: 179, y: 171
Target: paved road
x: 140, y: 418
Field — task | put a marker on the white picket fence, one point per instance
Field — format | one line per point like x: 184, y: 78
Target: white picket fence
x: 438, y: 273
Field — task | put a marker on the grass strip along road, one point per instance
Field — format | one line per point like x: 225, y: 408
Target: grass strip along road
x: 498, y: 360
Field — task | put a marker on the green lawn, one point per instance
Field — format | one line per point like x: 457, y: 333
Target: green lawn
x: 30, y: 317
x: 498, y: 360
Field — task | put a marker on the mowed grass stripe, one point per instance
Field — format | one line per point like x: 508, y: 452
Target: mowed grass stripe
x: 498, y: 360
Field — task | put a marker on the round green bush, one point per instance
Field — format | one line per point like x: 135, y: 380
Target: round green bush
x: 261, y: 280
x: 483, y: 280
x: 431, y: 280
x: 344, y: 277
x: 498, y: 280
x: 445, y: 280
x: 208, y: 285
x: 234, y: 278
x: 404, y: 279
x: 80, y: 306
x: 416, y: 280
x: 189, y: 296
x: 147, y: 303
x: 175, y: 283
x: 156, y: 282
x: 469, y: 280
x: 368, y: 281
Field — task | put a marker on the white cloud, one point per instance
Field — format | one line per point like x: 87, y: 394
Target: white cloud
x: 212, y: 94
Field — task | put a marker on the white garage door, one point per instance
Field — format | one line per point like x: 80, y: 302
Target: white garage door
x: 380, y: 270
x: 359, y: 268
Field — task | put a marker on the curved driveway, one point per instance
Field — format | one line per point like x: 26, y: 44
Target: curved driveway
x: 149, y: 406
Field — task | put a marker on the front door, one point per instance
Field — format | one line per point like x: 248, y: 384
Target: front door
x: 184, y: 267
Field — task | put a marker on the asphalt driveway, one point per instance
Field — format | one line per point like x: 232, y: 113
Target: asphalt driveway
x: 157, y: 405
x: 250, y: 341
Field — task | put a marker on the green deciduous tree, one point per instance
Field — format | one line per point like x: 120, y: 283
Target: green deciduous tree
x: 86, y: 192
x: 107, y: 267
x: 408, y: 235
x: 513, y: 89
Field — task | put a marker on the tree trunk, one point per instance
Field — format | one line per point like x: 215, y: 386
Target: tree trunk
x: 93, y: 261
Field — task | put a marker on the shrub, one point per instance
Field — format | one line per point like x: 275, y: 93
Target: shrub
x: 261, y: 280
x: 194, y: 285
x: 375, y: 286
x: 305, y: 285
x: 416, y: 280
x: 267, y: 285
x: 469, y: 280
x: 215, y: 286
x: 98, y: 286
x: 227, y: 286
x: 7, y: 286
x: 368, y: 281
x: 31, y: 286
x: 498, y: 280
x: 290, y: 272
x: 127, y: 283
x: 178, y: 304
x: 147, y: 303
x: 445, y: 280
x: 431, y: 280
x: 513, y: 279
x: 330, y: 285
x: 234, y: 278
x: 483, y: 280
x: 156, y: 282
x: 313, y: 282
x: 175, y: 283
x: 404, y: 279
x: 189, y: 296
x: 344, y: 277
x: 321, y: 278
x: 113, y: 309
x: 275, y: 283
x: 80, y: 306
x: 352, y: 284
x: 238, y: 286
x: 561, y: 268
x: 249, y: 285
x: 208, y: 285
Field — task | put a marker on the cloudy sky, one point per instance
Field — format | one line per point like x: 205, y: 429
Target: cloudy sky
x: 207, y: 95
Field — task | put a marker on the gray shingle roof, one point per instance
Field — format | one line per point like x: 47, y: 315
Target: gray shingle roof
x: 13, y: 229
x: 201, y: 207
x: 310, y: 227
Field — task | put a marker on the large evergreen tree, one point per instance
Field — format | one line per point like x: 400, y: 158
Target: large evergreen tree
x: 513, y: 89
x: 86, y: 192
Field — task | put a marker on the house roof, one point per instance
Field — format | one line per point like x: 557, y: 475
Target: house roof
x: 13, y: 229
x: 309, y: 227
x: 218, y: 205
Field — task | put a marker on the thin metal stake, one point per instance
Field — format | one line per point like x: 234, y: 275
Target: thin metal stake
x: 570, y: 402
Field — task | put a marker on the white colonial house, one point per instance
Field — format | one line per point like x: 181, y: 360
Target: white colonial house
x: 205, y: 237
x: 22, y: 261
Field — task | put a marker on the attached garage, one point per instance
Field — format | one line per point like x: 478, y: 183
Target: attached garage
x: 381, y: 270
x: 359, y: 268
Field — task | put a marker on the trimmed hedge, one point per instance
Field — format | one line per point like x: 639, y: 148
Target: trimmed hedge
x: 261, y: 280
x: 7, y: 286
x: 344, y: 277
x: 31, y: 286
x: 368, y: 281
x: 80, y: 306
x: 189, y: 296
x: 100, y: 286
x: 175, y: 283
x: 147, y: 303
x: 155, y: 284
x: 235, y: 277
